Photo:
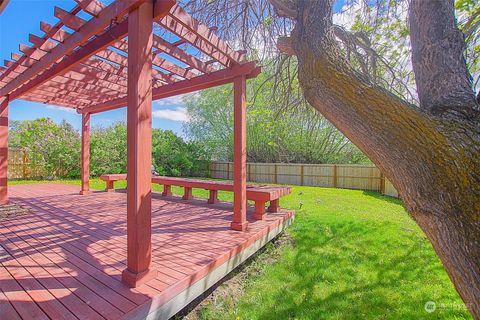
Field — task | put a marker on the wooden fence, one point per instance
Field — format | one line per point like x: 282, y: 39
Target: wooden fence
x: 349, y: 176
x: 19, y: 165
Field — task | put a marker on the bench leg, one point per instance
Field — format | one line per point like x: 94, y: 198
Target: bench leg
x: 274, y: 206
x: 167, y: 190
x: 109, y: 186
x: 187, y: 194
x: 213, y: 197
x: 259, y: 210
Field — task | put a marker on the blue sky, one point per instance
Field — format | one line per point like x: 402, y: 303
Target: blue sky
x: 22, y: 17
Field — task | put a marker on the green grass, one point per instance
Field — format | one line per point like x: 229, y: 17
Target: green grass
x: 355, y: 255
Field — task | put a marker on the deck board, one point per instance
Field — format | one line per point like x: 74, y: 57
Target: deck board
x: 64, y: 260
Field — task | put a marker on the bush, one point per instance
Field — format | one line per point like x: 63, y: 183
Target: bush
x: 53, y: 147
x: 56, y: 148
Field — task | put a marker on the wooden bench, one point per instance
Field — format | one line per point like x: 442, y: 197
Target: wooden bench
x: 260, y: 194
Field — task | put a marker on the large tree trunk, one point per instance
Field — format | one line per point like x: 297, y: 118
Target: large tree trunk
x: 430, y: 153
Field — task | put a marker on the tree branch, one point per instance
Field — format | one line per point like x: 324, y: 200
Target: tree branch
x: 285, y: 8
x: 444, y: 84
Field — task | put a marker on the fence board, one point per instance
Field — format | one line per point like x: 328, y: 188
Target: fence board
x: 349, y: 176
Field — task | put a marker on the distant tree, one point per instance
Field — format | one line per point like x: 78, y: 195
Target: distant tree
x: 274, y: 134
x: 108, y: 149
x: 171, y: 155
x: 174, y: 157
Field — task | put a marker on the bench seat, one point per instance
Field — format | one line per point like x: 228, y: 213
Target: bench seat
x: 260, y: 194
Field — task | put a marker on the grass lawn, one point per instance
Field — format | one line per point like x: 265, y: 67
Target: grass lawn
x: 353, y: 255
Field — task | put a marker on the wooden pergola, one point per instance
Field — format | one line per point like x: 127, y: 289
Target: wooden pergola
x: 115, y: 58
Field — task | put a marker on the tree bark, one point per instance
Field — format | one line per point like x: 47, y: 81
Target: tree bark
x: 431, y: 154
x: 443, y: 81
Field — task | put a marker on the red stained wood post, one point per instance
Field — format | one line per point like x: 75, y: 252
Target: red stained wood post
x: 167, y: 190
x: 85, y: 153
x: 239, y: 155
x: 139, y: 132
x: 213, y: 196
x: 187, y: 193
x: 4, y: 150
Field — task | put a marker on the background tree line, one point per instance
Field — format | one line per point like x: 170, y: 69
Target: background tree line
x: 276, y: 131
x: 56, y: 148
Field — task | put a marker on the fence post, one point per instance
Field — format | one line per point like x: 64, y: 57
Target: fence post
x: 334, y: 175
x: 249, y: 171
x: 382, y: 183
x: 275, y: 174
x: 24, y: 163
x: 301, y: 175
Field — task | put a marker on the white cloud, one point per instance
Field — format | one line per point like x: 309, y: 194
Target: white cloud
x: 178, y: 114
x: 346, y: 16
x: 172, y: 101
x: 66, y: 109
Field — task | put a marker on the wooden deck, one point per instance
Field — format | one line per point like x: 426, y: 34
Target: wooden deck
x: 64, y: 260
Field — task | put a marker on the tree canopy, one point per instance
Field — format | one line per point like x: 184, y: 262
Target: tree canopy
x: 274, y: 133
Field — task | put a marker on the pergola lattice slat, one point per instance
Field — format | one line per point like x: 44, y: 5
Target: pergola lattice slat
x: 93, y: 7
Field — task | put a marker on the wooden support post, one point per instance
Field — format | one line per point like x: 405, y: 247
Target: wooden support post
x: 259, y: 211
x: 274, y: 205
x: 110, y: 186
x: 239, y: 155
x: 139, y: 150
x: 167, y: 190
x: 187, y: 193
x: 213, y: 198
x: 85, y: 153
x: 4, y: 150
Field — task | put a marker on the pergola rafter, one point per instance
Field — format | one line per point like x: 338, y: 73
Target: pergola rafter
x: 117, y: 58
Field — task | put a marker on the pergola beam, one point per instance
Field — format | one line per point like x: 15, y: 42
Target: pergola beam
x: 37, y: 97
x: 224, y: 76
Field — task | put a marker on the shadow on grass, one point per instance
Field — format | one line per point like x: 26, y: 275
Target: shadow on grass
x: 342, y: 274
x: 382, y: 197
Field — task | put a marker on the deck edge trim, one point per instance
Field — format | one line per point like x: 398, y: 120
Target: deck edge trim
x: 182, y: 299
